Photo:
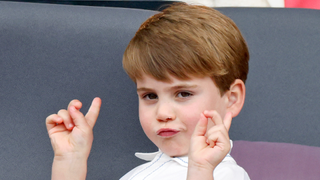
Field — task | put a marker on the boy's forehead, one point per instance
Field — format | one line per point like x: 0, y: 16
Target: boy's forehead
x: 149, y: 81
x: 170, y: 78
x: 146, y: 79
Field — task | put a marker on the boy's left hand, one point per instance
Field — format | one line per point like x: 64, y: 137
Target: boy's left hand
x: 208, y: 147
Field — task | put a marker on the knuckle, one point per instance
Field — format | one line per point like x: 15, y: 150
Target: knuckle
x: 220, y: 132
x: 62, y: 111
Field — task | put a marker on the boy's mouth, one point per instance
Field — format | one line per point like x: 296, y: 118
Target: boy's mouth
x: 167, y: 132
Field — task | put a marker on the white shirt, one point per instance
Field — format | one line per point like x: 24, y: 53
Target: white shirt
x: 164, y: 167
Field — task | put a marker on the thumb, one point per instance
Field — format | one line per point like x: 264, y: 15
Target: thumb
x: 227, y: 120
x: 201, y: 127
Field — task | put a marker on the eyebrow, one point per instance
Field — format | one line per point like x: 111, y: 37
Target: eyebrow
x: 143, y: 89
x: 181, y: 86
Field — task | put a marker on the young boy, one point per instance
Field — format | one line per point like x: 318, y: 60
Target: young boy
x: 189, y: 64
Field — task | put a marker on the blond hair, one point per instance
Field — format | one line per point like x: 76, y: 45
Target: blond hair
x: 188, y: 40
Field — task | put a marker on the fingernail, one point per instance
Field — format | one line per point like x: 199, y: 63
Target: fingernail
x: 70, y: 126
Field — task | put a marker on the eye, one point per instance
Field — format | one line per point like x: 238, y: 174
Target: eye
x: 184, y: 94
x: 150, y: 96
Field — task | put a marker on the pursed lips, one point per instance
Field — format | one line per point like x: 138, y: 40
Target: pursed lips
x: 167, y: 132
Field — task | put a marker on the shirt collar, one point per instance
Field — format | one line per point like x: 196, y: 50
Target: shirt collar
x: 183, y: 160
x: 147, y: 156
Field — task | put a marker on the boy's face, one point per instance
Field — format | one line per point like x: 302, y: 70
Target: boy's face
x: 169, y: 111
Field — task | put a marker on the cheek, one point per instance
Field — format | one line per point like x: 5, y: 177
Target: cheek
x: 145, y: 120
x: 147, y: 128
x: 191, y: 113
x: 190, y: 117
x: 191, y: 126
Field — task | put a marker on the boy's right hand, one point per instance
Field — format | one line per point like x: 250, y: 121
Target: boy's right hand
x: 71, y: 132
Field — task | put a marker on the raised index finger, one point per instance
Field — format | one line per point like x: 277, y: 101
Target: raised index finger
x: 93, y: 112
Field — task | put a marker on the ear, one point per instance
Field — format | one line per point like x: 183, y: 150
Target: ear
x: 235, y: 97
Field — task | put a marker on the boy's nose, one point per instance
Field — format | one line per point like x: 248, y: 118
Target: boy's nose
x: 166, y: 118
x: 165, y: 112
